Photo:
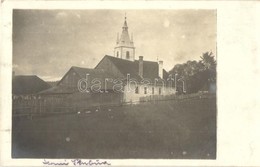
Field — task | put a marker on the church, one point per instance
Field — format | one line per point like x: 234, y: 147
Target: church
x: 117, y: 79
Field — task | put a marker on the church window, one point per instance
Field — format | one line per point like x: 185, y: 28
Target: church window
x: 160, y: 91
x: 136, y: 90
x: 117, y: 54
x: 145, y: 90
x: 127, y: 55
x: 152, y: 90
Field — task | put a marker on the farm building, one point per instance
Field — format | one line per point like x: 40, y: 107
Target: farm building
x: 25, y: 89
x: 92, y: 91
x: 25, y: 86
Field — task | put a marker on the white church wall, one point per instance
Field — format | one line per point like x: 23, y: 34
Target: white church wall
x: 121, y: 52
x: 130, y: 95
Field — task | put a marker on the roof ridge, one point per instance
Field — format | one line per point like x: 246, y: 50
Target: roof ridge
x: 148, y: 61
x: 25, y: 75
x: 80, y: 67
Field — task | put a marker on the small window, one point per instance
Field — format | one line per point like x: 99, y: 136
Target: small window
x: 117, y: 54
x: 152, y: 90
x: 136, y: 90
x: 160, y: 91
x: 145, y: 90
x: 127, y: 55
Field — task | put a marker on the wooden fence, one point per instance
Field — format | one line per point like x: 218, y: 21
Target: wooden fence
x: 64, y: 103
x: 176, y: 97
x: 78, y: 102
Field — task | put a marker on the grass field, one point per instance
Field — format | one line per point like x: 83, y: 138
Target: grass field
x: 183, y: 129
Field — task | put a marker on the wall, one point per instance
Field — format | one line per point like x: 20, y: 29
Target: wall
x: 122, y: 52
x: 130, y: 96
x: 86, y: 100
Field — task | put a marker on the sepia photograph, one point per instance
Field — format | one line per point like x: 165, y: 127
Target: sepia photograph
x: 114, y: 84
x: 129, y: 83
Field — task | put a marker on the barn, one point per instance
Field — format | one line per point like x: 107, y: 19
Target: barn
x: 25, y: 89
x: 27, y: 85
x: 81, y: 88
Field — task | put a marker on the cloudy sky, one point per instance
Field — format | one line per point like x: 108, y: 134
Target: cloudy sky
x: 48, y: 42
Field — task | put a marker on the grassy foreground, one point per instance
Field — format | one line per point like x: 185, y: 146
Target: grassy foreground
x: 183, y: 129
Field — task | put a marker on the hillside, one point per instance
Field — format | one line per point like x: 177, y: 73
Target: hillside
x: 166, y: 129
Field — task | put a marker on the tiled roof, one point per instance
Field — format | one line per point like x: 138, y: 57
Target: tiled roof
x: 28, y: 84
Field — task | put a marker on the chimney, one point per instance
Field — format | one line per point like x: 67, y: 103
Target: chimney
x: 160, y: 69
x: 141, y: 66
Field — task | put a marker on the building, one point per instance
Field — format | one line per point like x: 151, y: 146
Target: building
x: 140, y: 78
x: 25, y: 89
x: 124, y: 48
x: 28, y: 85
x: 82, y: 88
x: 115, y: 79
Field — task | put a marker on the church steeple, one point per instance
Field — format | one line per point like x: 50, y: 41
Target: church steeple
x: 125, y: 25
x: 125, y: 46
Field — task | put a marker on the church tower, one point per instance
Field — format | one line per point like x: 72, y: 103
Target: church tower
x: 125, y: 46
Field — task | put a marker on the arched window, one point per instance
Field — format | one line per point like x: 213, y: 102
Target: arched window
x: 145, y: 90
x: 136, y: 90
x: 127, y: 55
x: 117, y: 54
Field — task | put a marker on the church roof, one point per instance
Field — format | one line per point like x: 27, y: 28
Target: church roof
x: 125, y: 39
x: 150, y: 68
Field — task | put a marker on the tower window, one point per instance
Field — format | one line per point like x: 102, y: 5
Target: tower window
x: 145, y: 90
x: 152, y: 90
x: 127, y: 55
x: 117, y: 54
x: 160, y: 91
x: 136, y: 90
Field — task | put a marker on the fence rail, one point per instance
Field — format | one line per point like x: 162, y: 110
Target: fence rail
x: 176, y: 97
x: 41, y: 108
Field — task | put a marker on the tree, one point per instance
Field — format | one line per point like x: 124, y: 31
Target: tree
x: 196, y: 74
x: 210, y: 64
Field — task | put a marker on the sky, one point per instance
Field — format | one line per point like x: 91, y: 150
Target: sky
x: 48, y: 42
